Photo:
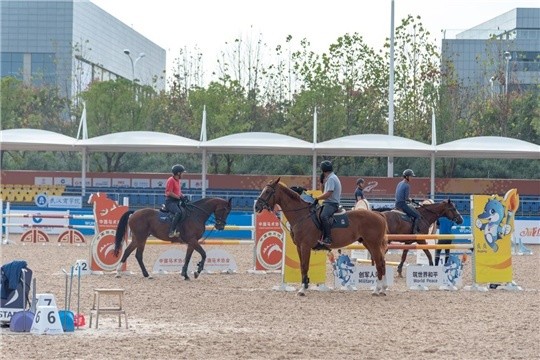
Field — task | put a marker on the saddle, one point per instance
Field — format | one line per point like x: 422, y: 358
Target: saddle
x: 338, y: 220
x: 165, y: 215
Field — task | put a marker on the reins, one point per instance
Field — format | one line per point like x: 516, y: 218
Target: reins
x: 209, y: 214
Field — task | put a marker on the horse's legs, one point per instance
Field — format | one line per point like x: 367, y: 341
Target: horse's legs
x: 304, y: 252
x: 128, y: 252
x: 378, y: 257
x: 189, y: 252
x: 401, y: 262
x: 139, y: 257
x: 200, y: 264
x: 426, y: 251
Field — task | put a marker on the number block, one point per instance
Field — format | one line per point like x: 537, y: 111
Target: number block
x: 46, y: 321
x: 46, y: 300
x: 84, y: 267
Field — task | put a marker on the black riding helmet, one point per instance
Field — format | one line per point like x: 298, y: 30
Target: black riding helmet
x: 326, y: 165
x: 408, y: 172
x: 178, y: 169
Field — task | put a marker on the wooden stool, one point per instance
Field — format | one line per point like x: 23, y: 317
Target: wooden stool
x: 116, y: 309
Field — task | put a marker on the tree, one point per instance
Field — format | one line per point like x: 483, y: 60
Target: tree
x: 115, y: 106
x: 417, y: 76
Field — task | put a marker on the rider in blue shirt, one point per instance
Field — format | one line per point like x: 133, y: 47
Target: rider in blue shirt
x: 402, y: 197
x: 359, y: 192
x: 331, y: 197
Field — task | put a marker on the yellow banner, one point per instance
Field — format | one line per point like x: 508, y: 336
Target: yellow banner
x: 291, y: 266
x: 492, y: 224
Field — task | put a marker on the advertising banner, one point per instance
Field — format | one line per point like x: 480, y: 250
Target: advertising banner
x: 492, y: 223
x: 268, y: 241
x: 107, y: 213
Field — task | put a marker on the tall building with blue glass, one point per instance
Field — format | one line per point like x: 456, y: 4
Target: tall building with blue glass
x: 71, y: 43
x: 506, y: 47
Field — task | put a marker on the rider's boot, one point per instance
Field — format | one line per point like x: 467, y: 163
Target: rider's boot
x: 172, y: 230
x: 327, y: 239
x: 415, y: 229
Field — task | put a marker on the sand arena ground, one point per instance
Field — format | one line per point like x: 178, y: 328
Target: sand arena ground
x: 239, y: 316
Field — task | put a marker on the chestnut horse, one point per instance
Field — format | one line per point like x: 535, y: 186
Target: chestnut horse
x: 400, y: 223
x: 364, y: 226
x: 146, y: 222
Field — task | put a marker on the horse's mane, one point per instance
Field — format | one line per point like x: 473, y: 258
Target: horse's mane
x: 205, y: 200
x: 289, y: 192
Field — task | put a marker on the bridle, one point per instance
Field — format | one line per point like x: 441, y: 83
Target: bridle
x: 219, y: 221
x: 271, y: 193
x: 453, y: 210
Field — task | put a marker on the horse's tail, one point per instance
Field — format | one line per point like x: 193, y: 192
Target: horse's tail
x: 121, y: 231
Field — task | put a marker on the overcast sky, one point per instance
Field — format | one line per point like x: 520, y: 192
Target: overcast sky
x: 209, y: 24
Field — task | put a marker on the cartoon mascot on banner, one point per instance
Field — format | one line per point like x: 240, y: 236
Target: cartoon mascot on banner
x: 496, y: 217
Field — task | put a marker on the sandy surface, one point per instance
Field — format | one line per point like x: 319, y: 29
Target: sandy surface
x: 239, y: 316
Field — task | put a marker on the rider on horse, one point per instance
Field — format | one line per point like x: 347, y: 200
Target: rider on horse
x: 402, y: 196
x: 359, y: 192
x: 331, y: 197
x: 173, y: 197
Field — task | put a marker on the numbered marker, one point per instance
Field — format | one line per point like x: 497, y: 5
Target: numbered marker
x: 83, y: 265
x: 46, y: 321
x: 46, y: 300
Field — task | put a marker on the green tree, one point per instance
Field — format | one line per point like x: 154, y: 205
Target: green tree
x: 116, y: 106
x: 417, y: 76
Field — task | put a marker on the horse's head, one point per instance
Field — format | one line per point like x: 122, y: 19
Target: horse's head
x: 267, y: 199
x: 221, y: 212
x: 451, y: 212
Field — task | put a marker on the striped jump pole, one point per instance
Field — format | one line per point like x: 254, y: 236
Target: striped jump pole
x: 232, y: 227
x: 401, y: 237
x: 44, y: 216
x: 8, y: 214
x: 51, y: 226
x: 203, y: 242
x: 417, y: 247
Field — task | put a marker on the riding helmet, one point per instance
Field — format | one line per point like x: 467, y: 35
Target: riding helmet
x: 359, y: 181
x: 408, y: 172
x: 326, y: 165
x: 178, y: 169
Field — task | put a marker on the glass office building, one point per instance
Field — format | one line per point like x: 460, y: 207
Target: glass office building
x: 506, y: 47
x: 71, y: 43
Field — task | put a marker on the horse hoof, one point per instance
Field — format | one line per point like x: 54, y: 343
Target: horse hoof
x: 117, y: 276
x: 196, y: 274
x: 374, y: 294
x: 301, y: 294
x: 150, y: 277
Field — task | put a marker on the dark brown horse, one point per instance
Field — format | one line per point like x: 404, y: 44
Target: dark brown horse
x: 399, y: 223
x: 365, y: 227
x: 146, y: 222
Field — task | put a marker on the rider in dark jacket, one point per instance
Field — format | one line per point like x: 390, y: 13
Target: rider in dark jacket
x: 402, y: 197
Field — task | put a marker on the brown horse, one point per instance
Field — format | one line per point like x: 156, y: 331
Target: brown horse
x: 364, y: 226
x: 146, y: 222
x: 400, y: 223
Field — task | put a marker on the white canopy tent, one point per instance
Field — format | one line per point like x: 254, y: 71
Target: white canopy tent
x: 36, y: 140
x: 489, y: 147
x: 259, y: 143
x: 135, y: 141
x: 255, y: 143
x: 378, y: 145
x: 268, y: 144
